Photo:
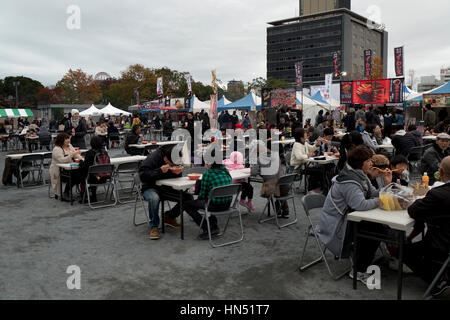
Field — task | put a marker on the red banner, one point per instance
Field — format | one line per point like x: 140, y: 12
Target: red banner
x: 399, y: 58
x: 346, y: 92
x: 379, y: 91
x: 337, y: 63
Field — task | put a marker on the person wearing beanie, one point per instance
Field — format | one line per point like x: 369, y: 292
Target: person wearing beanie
x: 76, y: 127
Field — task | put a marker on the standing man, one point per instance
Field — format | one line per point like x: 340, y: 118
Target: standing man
x: 76, y: 128
x: 429, y: 117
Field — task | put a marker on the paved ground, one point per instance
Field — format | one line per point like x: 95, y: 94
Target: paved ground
x: 40, y: 237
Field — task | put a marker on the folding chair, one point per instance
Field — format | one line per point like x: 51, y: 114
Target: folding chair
x: 140, y: 198
x: 299, y: 176
x: 46, y: 162
x: 130, y: 169
x: 101, y: 169
x: 310, y: 202
x: 30, y: 163
x: 414, y: 158
x: 232, y: 190
x: 445, y: 265
x: 284, y: 181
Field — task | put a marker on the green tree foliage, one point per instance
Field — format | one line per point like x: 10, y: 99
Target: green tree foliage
x: 27, y: 90
x: 259, y: 83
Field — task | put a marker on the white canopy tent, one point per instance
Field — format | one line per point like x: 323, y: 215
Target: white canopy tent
x: 92, y: 111
x: 198, y: 105
x: 310, y: 107
x: 113, y: 111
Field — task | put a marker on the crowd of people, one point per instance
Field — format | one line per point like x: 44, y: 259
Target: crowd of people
x: 364, y: 168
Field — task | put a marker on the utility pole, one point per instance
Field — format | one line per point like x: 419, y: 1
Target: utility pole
x: 17, y: 84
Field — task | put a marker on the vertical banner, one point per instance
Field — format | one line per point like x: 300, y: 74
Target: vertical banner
x: 159, y: 88
x: 299, y: 75
x: 214, y: 81
x: 189, y: 85
x: 399, y: 62
x: 213, y: 109
x: 328, y: 82
x: 136, y: 95
x: 336, y: 63
x: 367, y: 63
x: 347, y: 92
x: 396, y: 91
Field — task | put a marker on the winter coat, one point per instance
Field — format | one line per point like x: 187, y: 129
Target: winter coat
x: 432, y: 159
x: 80, y: 132
x: 300, y: 153
x: 59, y: 156
x: 351, y: 191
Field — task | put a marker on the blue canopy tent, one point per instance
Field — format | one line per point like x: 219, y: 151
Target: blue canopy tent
x: 445, y: 88
x: 318, y: 97
x: 245, y: 103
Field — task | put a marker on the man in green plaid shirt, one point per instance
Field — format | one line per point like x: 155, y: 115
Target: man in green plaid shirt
x: 217, y: 176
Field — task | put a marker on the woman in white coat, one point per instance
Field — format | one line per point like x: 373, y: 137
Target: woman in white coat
x: 63, y: 152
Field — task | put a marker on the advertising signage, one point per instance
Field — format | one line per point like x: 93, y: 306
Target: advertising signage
x: 437, y: 100
x: 381, y: 91
x: 279, y: 98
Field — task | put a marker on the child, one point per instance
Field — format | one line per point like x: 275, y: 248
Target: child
x: 236, y: 163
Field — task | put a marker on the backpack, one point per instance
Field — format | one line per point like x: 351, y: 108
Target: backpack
x: 102, y: 158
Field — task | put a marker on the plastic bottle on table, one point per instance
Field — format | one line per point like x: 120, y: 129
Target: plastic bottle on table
x: 425, y: 180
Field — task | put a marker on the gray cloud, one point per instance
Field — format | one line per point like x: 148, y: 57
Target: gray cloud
x: 194, y: 36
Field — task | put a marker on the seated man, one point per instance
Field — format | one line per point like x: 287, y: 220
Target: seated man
x: 433, y: 211
x: 325, y: 143
x: 404, y: 143
x: 133, y: 138
x: 434, y: 155
x: 157, y: 167
x: 216, y: 176
x: 399, y: 167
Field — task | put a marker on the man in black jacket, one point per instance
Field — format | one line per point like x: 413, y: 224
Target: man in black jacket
x: 157, y: 167
x: 432, y: 210
x: 133, y: 138
x: 434, y: 156
x: 76, y: 128
x: 411, y: 139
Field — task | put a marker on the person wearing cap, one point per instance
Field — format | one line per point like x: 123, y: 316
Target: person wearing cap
x: 432, y: 158
x: 76, y: 127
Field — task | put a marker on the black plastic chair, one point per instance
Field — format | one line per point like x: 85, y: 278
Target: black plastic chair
x: 445, y: 266
x: 30, y: 163
x: 107, y: 169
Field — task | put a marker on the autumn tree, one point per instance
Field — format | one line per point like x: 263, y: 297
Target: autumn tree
x: 377, y: 69
x: 49, y: 95
x: 79, y: 87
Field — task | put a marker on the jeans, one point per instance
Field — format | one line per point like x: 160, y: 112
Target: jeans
x: 193, y: 206
x: 152, y: 197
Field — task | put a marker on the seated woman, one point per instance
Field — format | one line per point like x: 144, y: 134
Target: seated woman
x: 63, y: 153
x: 102, y: 131
x: 133, y: 138
x: 236, y: 162
x: 89, y: 161
x: 301, y: 151
x: 351, y: 191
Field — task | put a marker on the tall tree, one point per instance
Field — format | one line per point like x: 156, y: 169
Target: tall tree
x: 260, y: 83
x: 79, y: 87
x: 27, y: 90
x: 49, y: 95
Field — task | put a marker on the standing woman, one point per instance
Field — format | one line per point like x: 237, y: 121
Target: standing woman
x: 63, y: 152
x: 77, y: 129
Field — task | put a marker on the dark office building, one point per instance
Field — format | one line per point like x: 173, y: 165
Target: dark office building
x: 312, y: 38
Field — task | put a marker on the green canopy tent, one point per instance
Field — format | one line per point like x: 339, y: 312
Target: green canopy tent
x: 15, y: 113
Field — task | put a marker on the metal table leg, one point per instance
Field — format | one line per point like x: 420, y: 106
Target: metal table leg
x: 163, y: 227
x: 181, y: 215
x: 401, y: 239
x: 355, y: 257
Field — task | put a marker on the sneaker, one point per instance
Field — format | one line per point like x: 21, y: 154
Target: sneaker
x: 214, y: 232
x: 393, y: 265
x: 285, y: 215
x: 251, y: 206
x: 172, y: 222
x: 244, y: 203
x: 440, y: 288
x: 154, y: 234
x: 360, y: 276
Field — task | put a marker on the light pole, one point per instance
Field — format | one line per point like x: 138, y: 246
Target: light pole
x: 17, y: 84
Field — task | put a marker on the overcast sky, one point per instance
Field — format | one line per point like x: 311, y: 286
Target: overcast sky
x: 195, y: 36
